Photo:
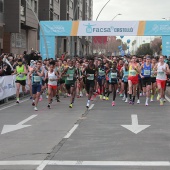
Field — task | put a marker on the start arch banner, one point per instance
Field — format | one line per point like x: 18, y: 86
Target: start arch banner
x: 100, y: 28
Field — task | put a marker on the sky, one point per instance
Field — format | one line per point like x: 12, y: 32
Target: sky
x: 132, y: 10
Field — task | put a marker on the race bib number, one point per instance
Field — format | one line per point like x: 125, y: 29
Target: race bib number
x: 125, y: 76
x: 20, y: 75
x: 101, y: 73
x: 147, y: 72
x: 90, y: 77
x: 132, y: 72
x: 113, y: 75
x: 153, y: 74
x: 70, y: 77
x: 161, y: 73
x: 37, y: 79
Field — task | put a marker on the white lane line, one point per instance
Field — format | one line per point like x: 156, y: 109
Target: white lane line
x: 110, y: 163
x: 6, y: 163
x: 71, y: 131
x: 22, y: 101
x: 91, y: 107
x: 42, y: 165
x: 167, y: 98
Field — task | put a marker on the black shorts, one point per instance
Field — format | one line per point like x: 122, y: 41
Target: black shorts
x: 43, y: 82
x: 89, y: 84
x: 146, y: 81
x: 153, y: 79
x: 21, y: 82
x: 62, y: 81
x: 68, y: 86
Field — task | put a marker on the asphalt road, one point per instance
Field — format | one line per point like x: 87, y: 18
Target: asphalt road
x: 77, y: 139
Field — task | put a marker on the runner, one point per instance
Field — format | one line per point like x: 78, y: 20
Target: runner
x: 125, y: 73
x: 52, y: 83
x: 162, y: 69
x: 146, y: 69
x: 90, y: 72
x: 153, y: 80
x: 134, y: 70
x: 21, y: 77
x: 113, y: 74
x: 101, y: 80
x: 71, y: 75
x: 36, y: 75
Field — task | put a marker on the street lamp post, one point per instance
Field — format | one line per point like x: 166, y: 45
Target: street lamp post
x: 45, y: 42
x: 115, y: 16
x: 97, y: 19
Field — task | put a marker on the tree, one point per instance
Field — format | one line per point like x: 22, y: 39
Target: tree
x: 144, y: 49
x: 156, y: 45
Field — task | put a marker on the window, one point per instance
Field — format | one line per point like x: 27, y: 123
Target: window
x: 51, y: 2
x: 1, y: 6
x: 71, y: 4
x: 35, y: 7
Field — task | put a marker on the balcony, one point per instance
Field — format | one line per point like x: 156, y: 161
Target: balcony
x: 22, y: 13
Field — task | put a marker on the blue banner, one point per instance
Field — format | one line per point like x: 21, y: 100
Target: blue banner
x: 166, y: 45
x: 56, y: 28
x: 157, y: 28
x: 47, y: 45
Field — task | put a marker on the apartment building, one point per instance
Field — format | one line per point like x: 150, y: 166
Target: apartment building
x: 1, y: 24
x: 21, y: 26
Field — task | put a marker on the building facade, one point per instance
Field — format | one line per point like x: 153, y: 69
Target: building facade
x: 21, y: 26
x: 1, y: 24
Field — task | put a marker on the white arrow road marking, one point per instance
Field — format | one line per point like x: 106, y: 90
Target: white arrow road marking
x: 11, y: 128
x: 91, y: 107
x: 135, y: 127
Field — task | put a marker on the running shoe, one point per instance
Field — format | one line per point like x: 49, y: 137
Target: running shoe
x: 87, y: 106
x: 146, y: 104
x: 71, y: 106
x: 152, y: 96
x: 58, y: 100
x: 126, y: 100
x: 138, y: 101
x: 130, y: 101
x: 40, y: 99
x: 158, y: 97
x: 104, y: 98
x: 49, y: 106
x: 33, y: 104
x: 121, y: 95
x: 101, y: 97
x: 161, y: 102
x: 107, y: 98
x: 46, y: 96
x: 113, y: 103
x: 35, y: 108
x: 81, y: 94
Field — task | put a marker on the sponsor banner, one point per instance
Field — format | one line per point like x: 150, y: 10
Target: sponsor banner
x: 157, y: 28
x: 107, y: 28
x: 166, y: 45
x: 56, y: 28
x: 47, y: 43
x: 8, y: 86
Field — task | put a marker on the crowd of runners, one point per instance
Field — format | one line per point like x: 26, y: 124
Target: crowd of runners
x: 128, y: 76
